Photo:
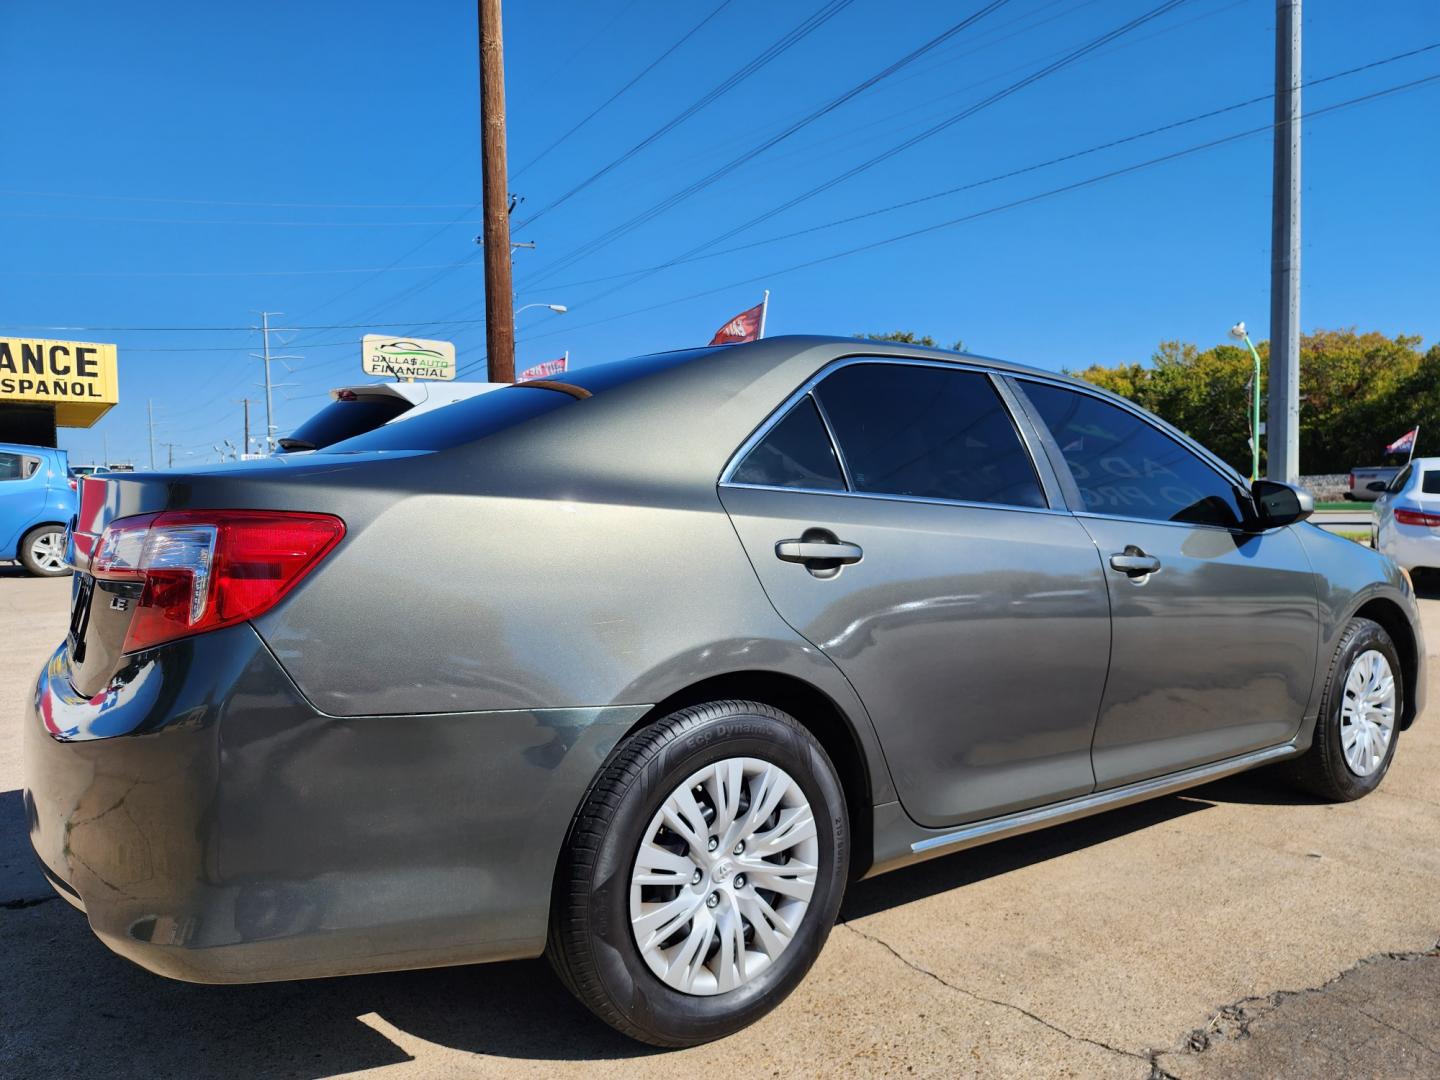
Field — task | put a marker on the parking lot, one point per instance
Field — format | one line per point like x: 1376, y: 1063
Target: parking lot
x: 1237, y: 929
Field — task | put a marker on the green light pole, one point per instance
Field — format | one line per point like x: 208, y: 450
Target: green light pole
x: 1238, y: 332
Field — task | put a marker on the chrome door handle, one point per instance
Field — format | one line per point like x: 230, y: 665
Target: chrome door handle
x: 804, y: 551
x: 1134, y: 562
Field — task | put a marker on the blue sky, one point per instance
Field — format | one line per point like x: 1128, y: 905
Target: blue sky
x: 182, y: 166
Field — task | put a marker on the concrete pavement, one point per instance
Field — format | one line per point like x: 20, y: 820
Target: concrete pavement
x: 1236, y: 930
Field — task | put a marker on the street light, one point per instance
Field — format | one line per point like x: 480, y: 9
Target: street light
x: 559, y: 309
x: 1239, y: 334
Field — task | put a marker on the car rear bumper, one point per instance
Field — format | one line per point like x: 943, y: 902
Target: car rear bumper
x: 1412, y: 546
x: 214, y: 827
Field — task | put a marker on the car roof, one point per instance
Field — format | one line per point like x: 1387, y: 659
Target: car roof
x: 27, y: 448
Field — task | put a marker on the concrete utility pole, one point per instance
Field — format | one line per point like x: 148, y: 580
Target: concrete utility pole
x: 269, y: 397
x: 1283, y: 434
x: 499, y: 297
x: 150, y: 415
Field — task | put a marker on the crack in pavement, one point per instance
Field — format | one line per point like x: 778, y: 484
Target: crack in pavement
x: 1232, y: 1022
x: 1156, y: 1072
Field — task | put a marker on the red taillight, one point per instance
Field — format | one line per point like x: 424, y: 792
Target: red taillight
x: 1416, y: 517
x: 200, y: 570
x: 1352, y: 481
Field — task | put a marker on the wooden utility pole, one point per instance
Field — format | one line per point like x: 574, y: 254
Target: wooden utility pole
x: 499, y: 296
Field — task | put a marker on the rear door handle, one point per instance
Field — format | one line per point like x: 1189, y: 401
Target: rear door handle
x: 1134, y: 562
x: 804, y: 551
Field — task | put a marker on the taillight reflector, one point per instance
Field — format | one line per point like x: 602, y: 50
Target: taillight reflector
x: 1417, y: 517
x: 200, y: 570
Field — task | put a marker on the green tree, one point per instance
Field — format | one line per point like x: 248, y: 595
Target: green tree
x: 1358, y: 392
x: 909, y: 337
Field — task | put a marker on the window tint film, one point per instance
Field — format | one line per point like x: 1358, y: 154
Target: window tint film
x: 1430, y: 483
x: 1399, y: 480
x: 344, y: 419
x: 1126, y: 467
x: 928, y: 432
x: 795, y: 453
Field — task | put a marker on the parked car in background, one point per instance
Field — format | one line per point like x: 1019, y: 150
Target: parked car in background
x: 1367, y: 483
x: 1407, y: 516
x: 695, y: 640
x: 354, y: 410
x: 37, y: 501
x: 85, y: 470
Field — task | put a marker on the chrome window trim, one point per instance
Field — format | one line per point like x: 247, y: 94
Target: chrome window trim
x: 834, y: 442
x: 882, y: 497
x: 1052, y: 505
x: 1168, y: 430
x: 1209, y: 460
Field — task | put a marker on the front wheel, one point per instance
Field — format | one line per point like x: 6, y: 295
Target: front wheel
x: 42, y: 551
x: 702, y: 874
x: 1360, y: 712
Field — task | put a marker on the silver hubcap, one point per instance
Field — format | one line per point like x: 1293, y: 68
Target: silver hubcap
x: 1367, y: 716
x: 723, y: 876
x: 48, y: 550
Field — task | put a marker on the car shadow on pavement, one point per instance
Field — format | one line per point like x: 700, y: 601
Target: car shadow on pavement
x: 64, y: 991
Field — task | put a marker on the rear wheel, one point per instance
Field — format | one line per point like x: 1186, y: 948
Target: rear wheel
x: 703, y: 873
x: 1359, y: 722
x: 42, y: 551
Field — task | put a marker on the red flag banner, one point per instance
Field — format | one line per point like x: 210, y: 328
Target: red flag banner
x: 540, y: 371
x: 743, y: 327
x: 1405, y: 443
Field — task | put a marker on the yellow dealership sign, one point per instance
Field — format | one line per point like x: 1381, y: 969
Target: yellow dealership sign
x: 77, y: 377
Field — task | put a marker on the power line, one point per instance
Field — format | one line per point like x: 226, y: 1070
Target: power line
x: 674, y: 199
x: 612, y: 98
x: 972, y: 185
x: 180, y: 201
x: 990, y: 211
x: 784, y: 43
x: 227, y: 273
x: 993, y: 99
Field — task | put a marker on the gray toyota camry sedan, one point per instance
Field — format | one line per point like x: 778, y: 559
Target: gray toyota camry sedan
x: 640, y: 668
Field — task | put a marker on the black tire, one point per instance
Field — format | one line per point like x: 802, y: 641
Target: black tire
x: 1322, y: 769
x: 591, y: 944
x: 27, y: 557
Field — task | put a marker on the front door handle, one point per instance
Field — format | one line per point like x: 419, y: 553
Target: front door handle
x: 1134, y: 562
x: 806, y: 551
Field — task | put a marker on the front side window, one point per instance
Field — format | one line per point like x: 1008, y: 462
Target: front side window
x: 795, y: 453
x: 928, y: 432
x: 1128, y: 468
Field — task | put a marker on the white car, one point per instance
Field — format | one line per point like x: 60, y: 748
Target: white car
x: 354, y: 410
x: 1407, y: 516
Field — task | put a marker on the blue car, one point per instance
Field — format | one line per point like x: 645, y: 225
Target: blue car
x: 37, y: 501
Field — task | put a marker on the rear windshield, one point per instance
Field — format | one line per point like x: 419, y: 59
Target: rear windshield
x: 474, y: 418
x: 343, y: 420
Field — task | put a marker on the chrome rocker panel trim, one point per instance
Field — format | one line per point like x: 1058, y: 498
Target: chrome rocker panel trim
x: 1056, y: 813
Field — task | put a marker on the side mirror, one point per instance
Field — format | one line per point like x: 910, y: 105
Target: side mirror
x: 1279, y: 504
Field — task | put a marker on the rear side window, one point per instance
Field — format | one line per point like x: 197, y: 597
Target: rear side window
x: 11, y: 466
x: 1399, y: 480
x: 1125, y: 467
x: 796, y: 453
x: 1430, y: 483
x: 343, y: 420
x: 928, y: 432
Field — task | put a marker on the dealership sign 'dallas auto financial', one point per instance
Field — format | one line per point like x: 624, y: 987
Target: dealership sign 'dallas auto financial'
x: 77, y: 377
x: 407, y: 358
